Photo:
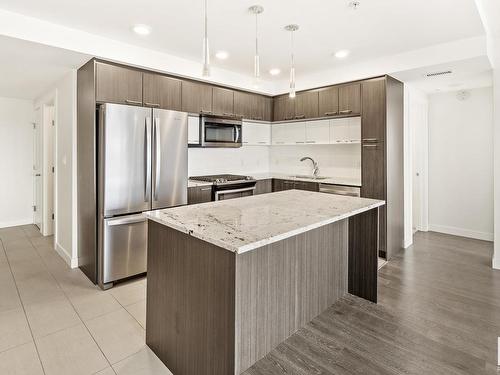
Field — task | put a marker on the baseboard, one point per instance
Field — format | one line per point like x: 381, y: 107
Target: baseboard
x: 7, y: 224
x: 73, y: 263
x: 496, y: 265
x: 408, y: 243
x: 461, y: 232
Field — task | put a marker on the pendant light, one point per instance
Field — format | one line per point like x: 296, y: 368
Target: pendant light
x: 206, y: 50
x: 256, y: 9
x: 292, y: 28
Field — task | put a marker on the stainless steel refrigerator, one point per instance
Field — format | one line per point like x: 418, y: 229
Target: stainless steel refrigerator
x: 142, y: 164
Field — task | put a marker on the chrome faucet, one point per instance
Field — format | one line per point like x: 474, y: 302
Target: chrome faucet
x: 315, y: 165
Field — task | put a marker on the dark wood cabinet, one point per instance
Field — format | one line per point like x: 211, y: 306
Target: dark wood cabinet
x: 196, y: 97
x: 199, y: 194
x: 280, y: 185
x: 306, y: 105
x: 373, y: 119
x: 328, y: 100
x: 284, y: 108
x: 246, y: 105
x: 116, y: 84
x: 162, y: 92
x: 350, y: 99
x: 306, y: 185
x: 267, y: 113
x: 223, y: 101
x: 263, y: 187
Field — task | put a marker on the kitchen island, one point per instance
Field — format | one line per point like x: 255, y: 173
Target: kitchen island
x: 229, y: 280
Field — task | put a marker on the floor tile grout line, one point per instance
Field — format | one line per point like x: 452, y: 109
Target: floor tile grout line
x: 23, y: 307
x: 128, y: 312
x: 74, y: 308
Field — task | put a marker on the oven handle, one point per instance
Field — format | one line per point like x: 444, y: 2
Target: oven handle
x: 236, y: 133
x: 221, y: 192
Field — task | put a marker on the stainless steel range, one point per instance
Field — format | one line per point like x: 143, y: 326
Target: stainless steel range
x: 228, y: 186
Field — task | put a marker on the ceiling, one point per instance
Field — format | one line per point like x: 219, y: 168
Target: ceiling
x: 466, y: 74
x: 31, y: 68
x: 378, y: 28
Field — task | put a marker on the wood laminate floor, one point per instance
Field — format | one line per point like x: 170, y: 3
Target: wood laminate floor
x: 438, y: 314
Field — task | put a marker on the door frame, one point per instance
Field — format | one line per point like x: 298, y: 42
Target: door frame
x: 37, y: 168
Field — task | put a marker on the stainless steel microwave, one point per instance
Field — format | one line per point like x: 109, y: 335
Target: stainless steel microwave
x: 220, y: 131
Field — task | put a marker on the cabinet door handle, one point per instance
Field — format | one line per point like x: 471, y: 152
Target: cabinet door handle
x: 206, y: 189
x: 299, y: 142
x: 258, y: 118
x: 331, y: 113
x: 262, y: 142
x: 205, y: 112
x: 300, y: 116
x: 346, y: 111
x: 370, y: 145
x: 310, y: 141
x: 288, y: 118
x: 151, y: 104
x: 370, y: 139
x: 128, y: 101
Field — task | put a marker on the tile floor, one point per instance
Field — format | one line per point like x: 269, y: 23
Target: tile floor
x: 53, y: 320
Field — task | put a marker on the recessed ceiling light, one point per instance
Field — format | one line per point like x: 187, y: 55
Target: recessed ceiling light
x: 222, y: 55
x: 142, y: 29
x: 343, y: 53
x: 274, y: 71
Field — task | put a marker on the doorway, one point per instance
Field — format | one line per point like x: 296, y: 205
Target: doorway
x: 37, y: 169
x: 47, y: 169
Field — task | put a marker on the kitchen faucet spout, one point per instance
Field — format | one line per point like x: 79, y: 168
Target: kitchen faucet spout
x: 315, y: 165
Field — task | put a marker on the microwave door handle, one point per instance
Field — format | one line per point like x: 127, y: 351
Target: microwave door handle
x: 236, y: 133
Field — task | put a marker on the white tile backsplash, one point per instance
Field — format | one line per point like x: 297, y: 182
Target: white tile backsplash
x: 334, y: 160
x: 244, y: 160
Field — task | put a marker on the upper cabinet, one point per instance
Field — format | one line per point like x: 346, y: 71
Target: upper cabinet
x: 328, y: 101
x: 374, y: 111
x: 196, y: 97
x: 267, y: 113
x: 162, y: 92
x: 350, y: 99
x: 117, y: 84
x: 256, y: 134
x: 284, y: 108
x: 306, y: 105
x: 223, y: 101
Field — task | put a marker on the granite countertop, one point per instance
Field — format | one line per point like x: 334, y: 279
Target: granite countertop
x: 244, y: 224
x: 348, y: 181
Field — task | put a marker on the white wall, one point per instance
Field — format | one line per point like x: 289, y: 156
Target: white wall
x: 461, y: 164
x: 16, y: 161
x: 334, y: 160
x: 63, y: 94
x: 244, y: 160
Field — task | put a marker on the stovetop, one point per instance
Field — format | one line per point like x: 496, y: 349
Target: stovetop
x: 221, y: 178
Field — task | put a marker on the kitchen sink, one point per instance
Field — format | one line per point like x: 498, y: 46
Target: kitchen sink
x: 310, y: 177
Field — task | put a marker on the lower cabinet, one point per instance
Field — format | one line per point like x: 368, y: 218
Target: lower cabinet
x: 280, y: 185
x: 264, y: 187
x: 199, y: 194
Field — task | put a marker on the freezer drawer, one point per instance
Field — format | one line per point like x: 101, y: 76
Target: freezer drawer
x: 124, y: 247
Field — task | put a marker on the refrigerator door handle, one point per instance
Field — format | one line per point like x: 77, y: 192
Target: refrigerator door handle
x: 157, y: 138
x: 147, y: 158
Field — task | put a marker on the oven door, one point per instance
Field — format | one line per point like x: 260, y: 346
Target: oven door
x: 220, y: 134
x: 234, y: 193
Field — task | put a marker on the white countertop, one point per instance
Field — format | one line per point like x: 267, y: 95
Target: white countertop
x: 264, y: 176
x: 330, y: 180
x: 244, y: 224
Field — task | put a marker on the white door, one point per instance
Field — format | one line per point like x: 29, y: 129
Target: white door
x: 418, y: 124
x: 48, y: 170
x: 37, y: 169
x: 318, y: 132
x: 339, y: 130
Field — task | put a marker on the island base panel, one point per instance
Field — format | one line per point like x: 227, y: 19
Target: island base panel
x: 282, y: 286
x: 363, y: 255
x: 190, y: 303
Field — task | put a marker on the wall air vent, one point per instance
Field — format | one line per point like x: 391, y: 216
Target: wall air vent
x: 435, y: 74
